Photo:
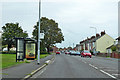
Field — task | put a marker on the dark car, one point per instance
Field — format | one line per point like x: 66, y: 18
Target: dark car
x: 74, y: 53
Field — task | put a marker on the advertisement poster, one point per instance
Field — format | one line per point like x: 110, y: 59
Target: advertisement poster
x: 30, y: 50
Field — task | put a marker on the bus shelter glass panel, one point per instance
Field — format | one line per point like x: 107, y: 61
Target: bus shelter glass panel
x: 20, y: 49
x: 30, y: 50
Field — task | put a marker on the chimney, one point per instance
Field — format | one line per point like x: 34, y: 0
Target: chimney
x: 97, y: 35
x: 102, y: 33
x: 92, y: 37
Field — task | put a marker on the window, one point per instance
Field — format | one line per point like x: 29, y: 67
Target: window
x: 86, y: 52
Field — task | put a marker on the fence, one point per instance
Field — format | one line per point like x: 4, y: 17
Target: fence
x: 112, y: 55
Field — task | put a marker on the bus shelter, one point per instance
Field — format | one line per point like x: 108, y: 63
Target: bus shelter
x: 25, y: 48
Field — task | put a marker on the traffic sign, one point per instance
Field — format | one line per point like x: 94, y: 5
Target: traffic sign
x: 42, y: 35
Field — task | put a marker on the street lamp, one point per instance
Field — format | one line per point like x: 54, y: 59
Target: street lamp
x: 95, y: 33
x: 95, y: 29
x: 39, y: 34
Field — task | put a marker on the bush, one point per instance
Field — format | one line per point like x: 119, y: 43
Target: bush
x: 44, y: 52
x: 10, y: 52
x: 113, y: 48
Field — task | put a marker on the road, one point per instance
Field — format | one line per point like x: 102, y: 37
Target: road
x: 66, y: 66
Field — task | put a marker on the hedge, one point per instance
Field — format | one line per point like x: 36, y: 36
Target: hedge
x: 10, y: 52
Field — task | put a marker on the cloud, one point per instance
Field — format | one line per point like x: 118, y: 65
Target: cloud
x: 73, y: 16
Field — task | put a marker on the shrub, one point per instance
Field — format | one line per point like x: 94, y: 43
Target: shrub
x: 10, y: 52
x: 113, y: 48
x: 44, y: 52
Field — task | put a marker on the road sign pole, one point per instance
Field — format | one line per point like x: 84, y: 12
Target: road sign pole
x: 39, y: 34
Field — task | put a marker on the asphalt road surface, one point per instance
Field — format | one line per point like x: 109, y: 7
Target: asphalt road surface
x: 66, y: 66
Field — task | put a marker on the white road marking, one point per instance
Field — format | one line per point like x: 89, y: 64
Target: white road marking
x: 108, y: 74
x: 39, y: 73
x: 116, y: 74
x: 93, y: 66
x: 85, y: 62
x: 111, y: 70
x: 104, y: 67
x: 53, y: 61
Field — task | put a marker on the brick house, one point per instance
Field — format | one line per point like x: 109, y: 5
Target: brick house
x: 100, y: 43
x: 118, y: 45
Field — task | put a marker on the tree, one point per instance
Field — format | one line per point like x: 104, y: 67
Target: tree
x: 51, y: 30
x: 10, y: 31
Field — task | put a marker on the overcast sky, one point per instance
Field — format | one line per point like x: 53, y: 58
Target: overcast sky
x: 75, y: 17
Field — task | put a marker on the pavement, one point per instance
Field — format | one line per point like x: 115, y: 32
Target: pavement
x: 66, y: 66
x: 22, y: 70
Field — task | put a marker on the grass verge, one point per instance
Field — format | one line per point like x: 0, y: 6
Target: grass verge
x: 9, y: 60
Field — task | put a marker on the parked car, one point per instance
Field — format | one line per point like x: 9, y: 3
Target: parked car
x: 74, y: 53
x: 86, y: 53
x: 78, y: 53
x: 67, y: 52
x: 57, y: 52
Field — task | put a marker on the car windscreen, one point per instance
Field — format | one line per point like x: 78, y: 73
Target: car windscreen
x: 86, y: 52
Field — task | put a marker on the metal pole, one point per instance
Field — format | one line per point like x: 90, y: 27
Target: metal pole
x: 95, y: 33
x: 39, y: 34
x: 95, y: 29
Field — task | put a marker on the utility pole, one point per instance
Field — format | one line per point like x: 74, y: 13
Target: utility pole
x: 39, y: 34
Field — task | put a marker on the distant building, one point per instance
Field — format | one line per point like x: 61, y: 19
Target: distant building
x: 55, y: 49
x: 98, y: 43
x: 77, y: 48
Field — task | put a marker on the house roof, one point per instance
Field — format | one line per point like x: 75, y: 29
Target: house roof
x: 110, y: 47
x: 118, y: 38
x: 96, y: 38
x: 93, y: 38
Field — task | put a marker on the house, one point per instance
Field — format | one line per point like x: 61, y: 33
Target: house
x: 103, y: 42
x: 98, y: 43
x: 77, y: 48
x: 118, y: 45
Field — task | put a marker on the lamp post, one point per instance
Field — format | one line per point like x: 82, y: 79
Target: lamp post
x: 95, y: 33
x: 39, y: 34
x: 95, y: 29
